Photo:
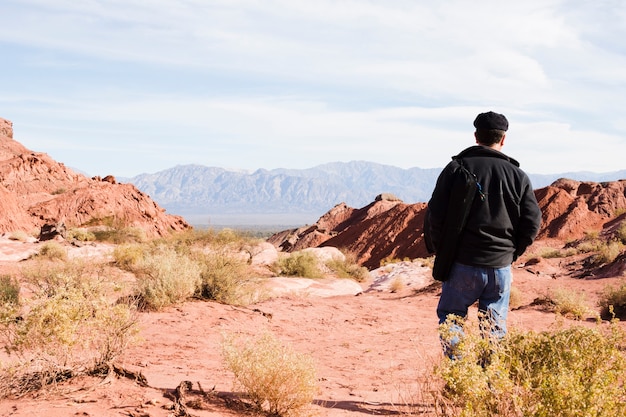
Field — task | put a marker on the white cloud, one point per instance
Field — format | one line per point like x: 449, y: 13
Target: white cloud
x: 396, y: 82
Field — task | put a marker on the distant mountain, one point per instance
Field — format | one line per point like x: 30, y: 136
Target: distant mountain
x: 295, y: 196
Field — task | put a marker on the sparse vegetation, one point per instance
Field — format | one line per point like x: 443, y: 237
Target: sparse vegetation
x: 277, y: 380
x: 565, y: 302
x: 224, y: 278
x: 621, y: 232
x: 67, y: 327
x: 165, y: 277
x: 571, y: 372
x: 348, y: 268
x: 19, y: 235
x: 299, y: 264
x: 607, y: 252
x: 53, y: 251
x: 613, y: 302
x: 82, y: 235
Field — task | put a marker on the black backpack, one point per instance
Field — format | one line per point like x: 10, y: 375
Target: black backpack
x: 464, y: 189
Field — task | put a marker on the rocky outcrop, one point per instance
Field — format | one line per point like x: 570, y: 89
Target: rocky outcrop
x: 389, y: 228
x: 386, y: 228
x: 35, y: 190
x: 571, y: 208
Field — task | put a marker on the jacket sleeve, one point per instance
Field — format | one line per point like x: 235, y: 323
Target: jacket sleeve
x: 530, y: 221
x: 437, y: 209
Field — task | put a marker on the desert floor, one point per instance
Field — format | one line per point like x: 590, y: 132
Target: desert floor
x: 374, y: 352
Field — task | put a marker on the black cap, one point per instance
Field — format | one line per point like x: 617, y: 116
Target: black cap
x: 491, y: 120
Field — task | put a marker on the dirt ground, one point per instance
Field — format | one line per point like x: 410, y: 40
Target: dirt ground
x: 374, y: 352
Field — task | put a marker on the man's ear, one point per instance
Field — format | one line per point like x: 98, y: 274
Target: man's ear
x: 476, y: 137
x: 502, y: 140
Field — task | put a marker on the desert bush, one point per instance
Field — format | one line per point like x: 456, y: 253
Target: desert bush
x: 515, y: 297
x: 128, y: 256
x: 82, y: 235
x: 165, y: 277
x: 571, y: 372
x: 52, y: 250
x: 120, y: 235
x: 348, y: 268
x: 9, y: 298
x: 276, y: 379
x: 548, y: 253
x: 613, y: 302
x: 569, y: 303
x: 621, y: 232
x: 225, y: 279
x: 299, y: 264
x: 9, y: 290
x: 19, y: 235
x: 62, y: 331
x: 607, y: 252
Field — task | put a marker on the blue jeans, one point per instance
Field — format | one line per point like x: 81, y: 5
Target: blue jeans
x: 491, y: 287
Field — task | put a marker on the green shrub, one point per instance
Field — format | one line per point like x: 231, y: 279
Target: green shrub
x: 299, y: 264
x: 276, y: 379
x: 165, y: 277
x: 567, y: 373
x: 613, y: 302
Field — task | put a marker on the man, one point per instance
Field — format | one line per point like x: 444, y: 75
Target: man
x: 501, y: 219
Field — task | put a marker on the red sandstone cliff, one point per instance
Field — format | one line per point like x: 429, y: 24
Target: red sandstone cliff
x: 36, y: 190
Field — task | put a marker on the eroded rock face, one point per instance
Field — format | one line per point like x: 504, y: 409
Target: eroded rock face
x: 35, y: 190
x: 571, y: 208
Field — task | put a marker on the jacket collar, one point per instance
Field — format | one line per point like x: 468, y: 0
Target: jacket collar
x: 479, y: 150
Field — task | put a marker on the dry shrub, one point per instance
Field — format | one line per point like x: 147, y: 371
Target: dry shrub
x: 165, y: 278
x: 225, y: 279
x: 348, y: 268
x: 82, y: 235
x: 299, y: 264
x: 277, y: 380
x: 607, y: 252
x: 128, y: 256
x: 613, y: 302
x: 120, y: 235
x: 19, y: 235
x: 67, y: 327
x: 515, y: 297
x: 569, y: 303
x: 571, y: 372
x: 52, y: 250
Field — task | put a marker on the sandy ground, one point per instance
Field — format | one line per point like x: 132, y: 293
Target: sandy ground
x: 374, y: 352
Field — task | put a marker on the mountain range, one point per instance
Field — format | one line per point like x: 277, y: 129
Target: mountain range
x: 218, y: 196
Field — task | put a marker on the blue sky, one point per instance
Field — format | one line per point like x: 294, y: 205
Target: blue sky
x: 126, y: 87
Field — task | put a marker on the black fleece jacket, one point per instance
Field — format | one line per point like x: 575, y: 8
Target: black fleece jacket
x: 501, y: 224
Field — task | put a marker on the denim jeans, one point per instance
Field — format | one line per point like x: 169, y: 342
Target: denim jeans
x: 491, y: 287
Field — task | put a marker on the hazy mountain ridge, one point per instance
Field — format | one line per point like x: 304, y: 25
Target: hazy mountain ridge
x: 196, y: 190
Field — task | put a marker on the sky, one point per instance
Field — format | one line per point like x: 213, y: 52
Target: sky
x: 126, y: 87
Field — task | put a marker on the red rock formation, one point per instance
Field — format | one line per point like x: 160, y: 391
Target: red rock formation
x: 389, y: 228
x: 36, y: 190
x: 571, y: 208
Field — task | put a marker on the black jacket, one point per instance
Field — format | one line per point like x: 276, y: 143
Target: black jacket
x: 503, y: 221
